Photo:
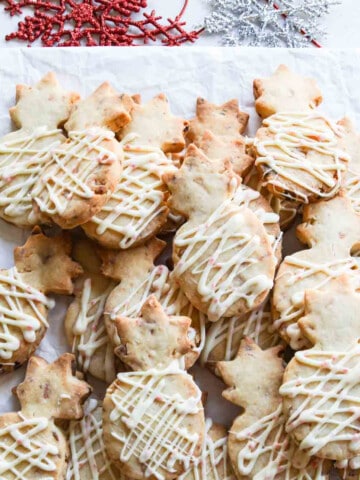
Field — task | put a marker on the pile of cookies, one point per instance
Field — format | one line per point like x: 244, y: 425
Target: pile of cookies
x: 168, y: 234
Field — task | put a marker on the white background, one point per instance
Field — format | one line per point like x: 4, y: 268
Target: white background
x: 341, y: 23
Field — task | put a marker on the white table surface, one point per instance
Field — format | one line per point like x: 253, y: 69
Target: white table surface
x: 341, y: 23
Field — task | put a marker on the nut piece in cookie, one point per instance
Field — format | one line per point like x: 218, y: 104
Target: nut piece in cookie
x: 42, y: 266
x: 45, y: 103
x: 285, y: 91
x: 84, y: 323
x: 154, y: 125
x: 31, y: 445
x: 83, y: 171
x: 153, y: 418
x: 258, y: 443
x: 321, y: 390
x: 331, y: 230
x: 223, y: 258
x: 153, y: 340
x: 139, y: 278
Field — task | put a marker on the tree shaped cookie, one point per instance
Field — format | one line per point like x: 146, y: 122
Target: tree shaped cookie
x: 223, y: 259
x: 31, y: 445
x: 84, y: 324
x: 88, y: 457
x: 42, y: 266
x: 38, y: 113
x: 217, y: 130
x: 84, y: 170
x: 298, y: 150
x: 223, y: 337
x: 153, y: 417
x: 321, y: 388
x: 139, y: 278
x: 332, y: 231
x: 137, y: 208
x: 213, y: 463
x: 259, y: 447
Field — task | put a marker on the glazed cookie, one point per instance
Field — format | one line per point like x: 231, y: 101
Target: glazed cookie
x: 139, y: 278
x: 222, y: 340
x: 84, y: 324
x: 298, y: 150
x: 38, y: 113
x: 88, y: 458
x: 258, y: 443
x: 31, y: 445
x: 137, y: 208
x: 153, y: 419
x: 154, y: 125
x: 321, y: 388
x: 84, y: 170
x: 213, y: 463
x: 332, y: 231
x: 223, y: 258
x: 42, y: 266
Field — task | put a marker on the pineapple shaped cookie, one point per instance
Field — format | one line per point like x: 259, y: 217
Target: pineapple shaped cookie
x: 39, y: 113
x: 31, y: 445
x: 259, y: 447
x: 332, y: 231
x: 321, y: 389
x: 223, y: 257
x: 137, y: 209
x: 153, y: 416
x: 42, y: 266
x: 85, y: 169
x: 84, y: 323
x: 298, y: 150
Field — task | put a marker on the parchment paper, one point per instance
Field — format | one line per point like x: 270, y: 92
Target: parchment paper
x: 183, y: 74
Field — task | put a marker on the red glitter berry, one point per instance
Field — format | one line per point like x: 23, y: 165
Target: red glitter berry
x: 96, y: 22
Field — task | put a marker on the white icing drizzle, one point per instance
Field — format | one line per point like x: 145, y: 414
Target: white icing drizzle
x: 156, y: 433
x: 139, y: 196
x: 267, y: 437
x: 87, y: 448
x: 16, y: 295
x: 89, y: 331
x: 302, y: 274
x: 22, y: 451
x: 218, y: 280
x: 21, y: 162
x: 326, y: 398
x: 213, y: 462
x: 257, y: 325
x: 352, y: 188
x: 71, y: 167
x: 294, y: 135
x: 243, y: 197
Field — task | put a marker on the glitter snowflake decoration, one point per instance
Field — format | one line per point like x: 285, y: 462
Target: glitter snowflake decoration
x: 96, y: 22
x: 289, y: 23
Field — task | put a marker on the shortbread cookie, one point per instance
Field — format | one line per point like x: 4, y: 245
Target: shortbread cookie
x: 223, y: 258
x: 84, y: 170
x: 31, y: 445
x: 42, y: 266
x: 153, y: 419
x: 259, y: 447
x: 213, y: 463
x: 84, y: 324
x: 139, y: 278
x: 88, y: 459
x: 285, y: 91
x: 223, y: 337
x: 332, y: 231
x: 154, y: 125
x: 137, y: 208
x: 26, y: 152
x: 286, y: 209
x: 321, y: 388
